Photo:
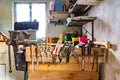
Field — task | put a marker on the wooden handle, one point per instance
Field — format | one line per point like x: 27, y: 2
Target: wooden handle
x: 9, y: 55
x: 38, y: 50
x: 3, y: 37
x: 32, y: 49
x: 33, y: 52
x: 46, y: 43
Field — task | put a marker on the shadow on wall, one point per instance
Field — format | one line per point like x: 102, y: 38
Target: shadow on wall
x: 102, y: 28
x: 114, y: 47
x: 111, y: 68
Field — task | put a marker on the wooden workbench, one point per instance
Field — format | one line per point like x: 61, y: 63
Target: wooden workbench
x: 66, y: 71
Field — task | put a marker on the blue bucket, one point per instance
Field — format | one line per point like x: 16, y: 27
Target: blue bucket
x: 58, y: 5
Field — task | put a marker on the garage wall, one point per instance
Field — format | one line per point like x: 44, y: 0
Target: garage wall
x: 5, y: 18
x: 107, y: 28
x: 55, y: 30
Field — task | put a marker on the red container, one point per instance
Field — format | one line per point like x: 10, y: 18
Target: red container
x: 83, y: 39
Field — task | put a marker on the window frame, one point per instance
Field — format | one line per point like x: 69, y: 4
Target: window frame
x: 31, y: 2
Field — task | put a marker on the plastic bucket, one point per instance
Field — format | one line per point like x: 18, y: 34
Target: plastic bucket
x: 83, y: 39
x: 68, y: 36
x: 75, y: 39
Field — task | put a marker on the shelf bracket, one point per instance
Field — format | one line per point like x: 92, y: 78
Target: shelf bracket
x: 92, y: 30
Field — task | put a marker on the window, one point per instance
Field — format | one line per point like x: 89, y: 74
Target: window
x: 32, y: 11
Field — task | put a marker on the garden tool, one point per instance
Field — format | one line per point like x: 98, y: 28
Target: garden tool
x: 32, y: 50
x: 95, y: 58
x: 89, y: 51
x: 42, y: 55
x: 72, y: 53
x: 9, y: 55
x: 48, y: 47
x: 38, y: 52
x: 63, y: 52
x: 56, y: 51
x: 83, y: 54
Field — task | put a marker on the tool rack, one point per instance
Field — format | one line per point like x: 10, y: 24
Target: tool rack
x: 25, y: 61
x: 66, y: 71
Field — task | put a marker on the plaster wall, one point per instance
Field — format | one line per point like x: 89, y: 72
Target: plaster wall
x: 107, y: 28
x: 55, y: 30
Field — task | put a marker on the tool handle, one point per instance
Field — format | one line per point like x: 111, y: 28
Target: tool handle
x: 89, y: 48
x: 83, y: 50
x: 83, y: 63
x: 9, y: 55
x: 32, y: 49
x: 46, y: 42
x: 38, y: 51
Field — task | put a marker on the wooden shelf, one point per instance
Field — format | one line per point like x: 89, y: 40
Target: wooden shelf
x: 82, y: 6
x: 80, y: 10
x: 61, y: 12
x: 89, y: 2
x: 79, y: 21
x: 58, y: 17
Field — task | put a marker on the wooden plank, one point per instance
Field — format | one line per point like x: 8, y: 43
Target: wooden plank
x: 62, y: 67
x: 79, y: 21
x: 72, y: 59
x: 66, y: 71
x: 101, y: 53
x: 62, y: 75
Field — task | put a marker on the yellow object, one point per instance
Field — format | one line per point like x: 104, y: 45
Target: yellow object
x: 48, y: 42
x: 75, y: 39
x: 60, y: 37
x: 108, y: 44
x: 3, y: 37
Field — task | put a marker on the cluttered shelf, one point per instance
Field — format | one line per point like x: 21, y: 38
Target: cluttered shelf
x: 82, y: 6
x: 56, y: 18
x: 77, y: 11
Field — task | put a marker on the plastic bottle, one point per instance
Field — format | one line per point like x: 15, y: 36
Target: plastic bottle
x: 64, y: 7
x: 51, y: 5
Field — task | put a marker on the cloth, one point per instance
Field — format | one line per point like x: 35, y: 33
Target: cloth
x: 83, y: 39
x: 58, y: 47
